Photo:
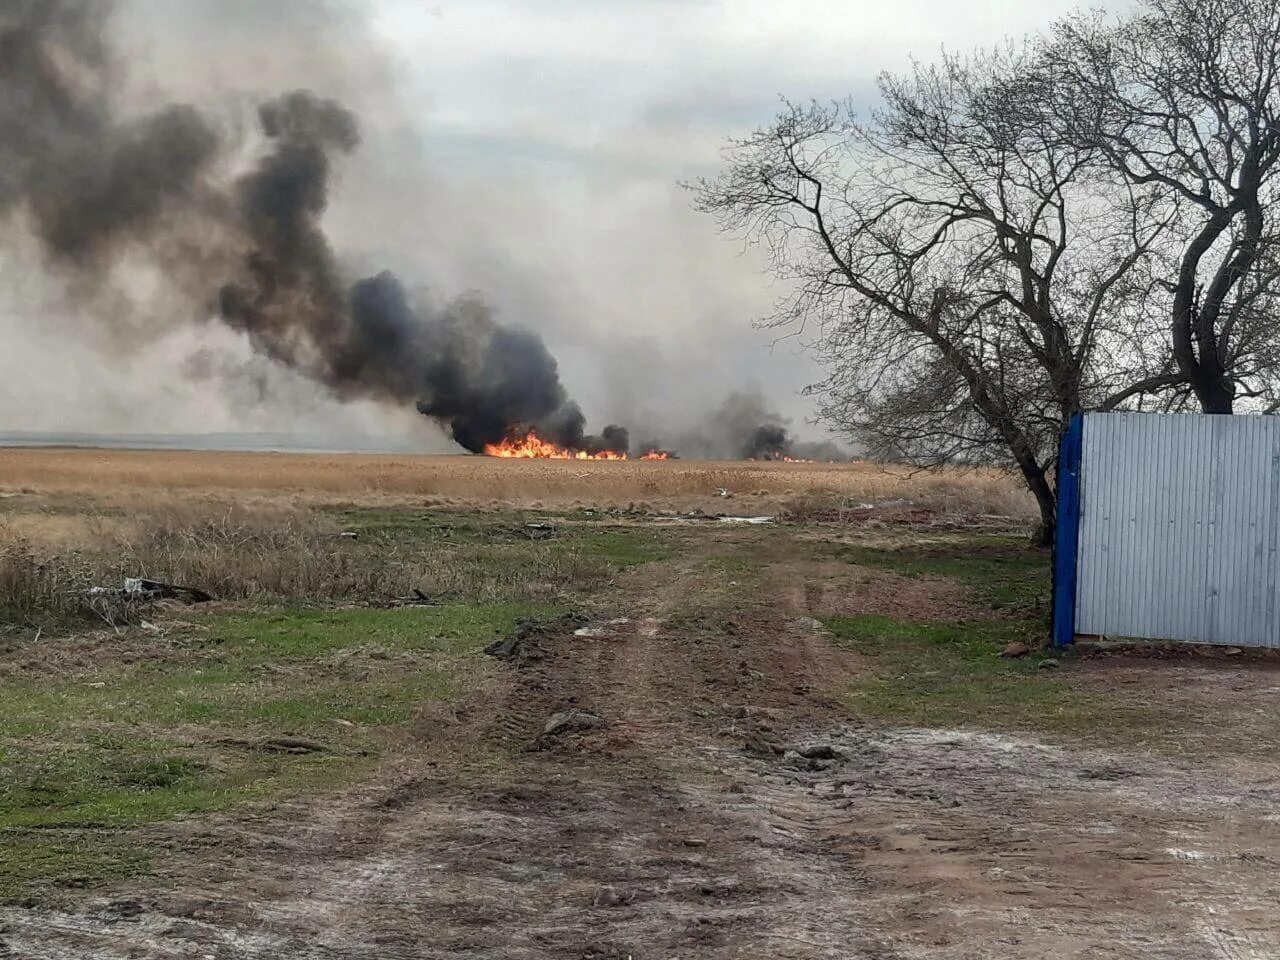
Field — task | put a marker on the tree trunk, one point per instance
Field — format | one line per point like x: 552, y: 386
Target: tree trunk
x: 1046, y: 500
x: 1196, y: 348
x: 1213, y: 392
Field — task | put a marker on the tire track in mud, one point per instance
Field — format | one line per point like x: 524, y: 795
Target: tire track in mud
x: 659, y: 836
x: 586, y: 847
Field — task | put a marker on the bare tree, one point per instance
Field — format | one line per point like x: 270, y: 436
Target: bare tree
x: 969, y: 278
x: 1184, y: 98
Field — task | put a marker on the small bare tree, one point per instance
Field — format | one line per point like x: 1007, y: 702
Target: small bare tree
x: 1184, y: 98
x: 968, y: 277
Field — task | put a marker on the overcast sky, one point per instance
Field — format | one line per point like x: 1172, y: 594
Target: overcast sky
x: 594, y: 112
x: 531, y: 150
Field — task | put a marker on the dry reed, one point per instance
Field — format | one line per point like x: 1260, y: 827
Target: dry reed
x: 279, y: 555
x: 125, y: 477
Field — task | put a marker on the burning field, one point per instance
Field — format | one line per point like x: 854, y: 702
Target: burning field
x: 712, y: 486
x: 533, y: 447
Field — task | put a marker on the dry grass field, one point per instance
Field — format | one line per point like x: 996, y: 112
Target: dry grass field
x: 485, y: 481
x: 460, y: 708
x: 261, y: 525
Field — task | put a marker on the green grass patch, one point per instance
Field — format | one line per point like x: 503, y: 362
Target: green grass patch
x: 624, y: 546
x: 952, y: 676
x: 495, y: 556
x: 1005, y: 572
x: 158, y: 739
x: 36, y: 865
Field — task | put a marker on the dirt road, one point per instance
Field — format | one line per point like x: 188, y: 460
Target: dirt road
x: 725, y: 804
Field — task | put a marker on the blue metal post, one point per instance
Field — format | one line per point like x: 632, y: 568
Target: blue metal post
x: 1067, y: 533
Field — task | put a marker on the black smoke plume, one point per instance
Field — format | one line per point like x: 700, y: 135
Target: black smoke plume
x: 745, y: 426
x: 241, y: 240
x: 612, y: 439
x: 767, y: 442
x: 748, y: 429
x: 87, y: 185
x: 95, y: 189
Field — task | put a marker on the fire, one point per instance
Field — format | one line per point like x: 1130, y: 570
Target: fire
x: 531, y: 446
x: 780, y: 458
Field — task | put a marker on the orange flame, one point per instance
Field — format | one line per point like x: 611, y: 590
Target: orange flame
x: 531, y: 447
x: 780, y: 458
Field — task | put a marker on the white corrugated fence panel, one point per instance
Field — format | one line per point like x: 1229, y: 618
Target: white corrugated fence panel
x: 1178, y: 528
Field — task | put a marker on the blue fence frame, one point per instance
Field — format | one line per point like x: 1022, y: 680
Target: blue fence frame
x: 1066, y: 544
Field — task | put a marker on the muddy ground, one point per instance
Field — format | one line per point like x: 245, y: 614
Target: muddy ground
x: 715, y: 795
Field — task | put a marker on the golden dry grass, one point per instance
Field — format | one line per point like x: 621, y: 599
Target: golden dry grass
x: 284, y: 554
x: 119, y: 476
x: 246, y: 525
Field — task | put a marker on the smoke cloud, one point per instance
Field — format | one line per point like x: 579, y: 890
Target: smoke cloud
x: 744, y: 426
x: 741, y: 427
x: 98, y: 190
x: 170, y: 217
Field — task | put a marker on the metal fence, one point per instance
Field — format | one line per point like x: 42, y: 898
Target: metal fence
x: 1168, y: 528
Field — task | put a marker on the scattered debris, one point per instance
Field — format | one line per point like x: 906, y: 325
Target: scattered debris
x: 572, y: 721
x: 645, y: 627
x: 520, y: 644
x: 602, y: 629
x: 723, y: 492
x: 523, y: 644
x: 143, y: 588
x: 1048, y: 663
x: 540, y: 530
x: 415, y: 599
x: 752, y: 520
x: 1015, y: 650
